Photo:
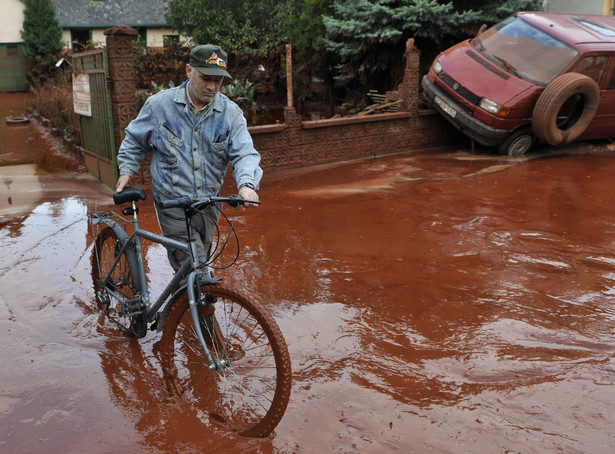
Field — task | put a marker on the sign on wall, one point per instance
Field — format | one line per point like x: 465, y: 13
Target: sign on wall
x: 82, y: 100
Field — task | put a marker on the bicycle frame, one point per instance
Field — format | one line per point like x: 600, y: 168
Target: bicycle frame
x: 132, y: 246
x: 220, y: 350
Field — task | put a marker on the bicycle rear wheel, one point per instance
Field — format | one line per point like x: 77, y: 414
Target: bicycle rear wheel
x: 250, y: 390
x: 127, y: 315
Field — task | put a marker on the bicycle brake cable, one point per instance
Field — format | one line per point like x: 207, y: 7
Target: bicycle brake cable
x: 222, y: 247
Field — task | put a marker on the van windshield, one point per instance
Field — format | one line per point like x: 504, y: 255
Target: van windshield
x: 525, y: 51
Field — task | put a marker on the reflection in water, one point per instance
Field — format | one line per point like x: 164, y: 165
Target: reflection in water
x: 8, y: 182
x: 137, y: 388
x: 22, y: 191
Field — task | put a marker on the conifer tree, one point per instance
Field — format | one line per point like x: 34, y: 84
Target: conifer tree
x: 368, y: 36
x: 42, y: 36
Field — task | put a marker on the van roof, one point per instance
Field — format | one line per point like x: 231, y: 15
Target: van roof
x: 574, y: 28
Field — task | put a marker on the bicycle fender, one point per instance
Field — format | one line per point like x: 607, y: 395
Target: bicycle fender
x: 162, y: 315
x: 119, y: 231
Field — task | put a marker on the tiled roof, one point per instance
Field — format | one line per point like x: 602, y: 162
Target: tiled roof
x: 108, y: 13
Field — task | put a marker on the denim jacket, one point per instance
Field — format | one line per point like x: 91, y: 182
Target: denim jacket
x: 189, y: 156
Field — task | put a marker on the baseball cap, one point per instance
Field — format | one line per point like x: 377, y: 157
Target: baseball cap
x: 209, y: 59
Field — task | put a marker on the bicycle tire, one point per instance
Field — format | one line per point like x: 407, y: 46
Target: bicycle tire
x: 123, y: 281
x: 251, y: 394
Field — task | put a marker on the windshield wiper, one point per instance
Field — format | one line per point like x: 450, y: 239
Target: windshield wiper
x: 507, y: 66
x: 478, y: 45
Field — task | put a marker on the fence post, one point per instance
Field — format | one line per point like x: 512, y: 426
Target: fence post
x: 409, y: 87
x: 122, y: 75
x: 289, y: 76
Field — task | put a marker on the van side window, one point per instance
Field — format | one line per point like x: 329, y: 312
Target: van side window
x: 592, y: 66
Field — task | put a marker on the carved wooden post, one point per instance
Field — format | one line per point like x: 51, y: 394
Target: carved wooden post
x: 289, y: 76
x: 122, y: 73
x: 409, y: 87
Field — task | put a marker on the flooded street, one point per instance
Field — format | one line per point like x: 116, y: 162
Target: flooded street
x: 436, y: 301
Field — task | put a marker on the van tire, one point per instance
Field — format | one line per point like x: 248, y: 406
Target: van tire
x: 579, y: 95
x: 518, y: 142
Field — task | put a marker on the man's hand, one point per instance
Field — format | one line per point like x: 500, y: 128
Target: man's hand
x: 122, y: 182
x: 249, y: 194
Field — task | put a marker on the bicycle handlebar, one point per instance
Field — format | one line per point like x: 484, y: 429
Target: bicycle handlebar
x: 198, y: 203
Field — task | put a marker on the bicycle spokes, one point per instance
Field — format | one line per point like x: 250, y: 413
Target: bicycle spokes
x: 246, y: 387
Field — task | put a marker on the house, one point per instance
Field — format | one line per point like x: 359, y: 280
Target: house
x: 84, y: 21
x: 605, y: 7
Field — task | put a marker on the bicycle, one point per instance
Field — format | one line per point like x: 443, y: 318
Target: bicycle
x: 220, y: 350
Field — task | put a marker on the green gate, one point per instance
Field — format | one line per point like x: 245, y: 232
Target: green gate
x: 91, y: 69
x: 13, y: 67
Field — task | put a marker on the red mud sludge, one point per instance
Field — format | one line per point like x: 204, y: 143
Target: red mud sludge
x: 432, y: 302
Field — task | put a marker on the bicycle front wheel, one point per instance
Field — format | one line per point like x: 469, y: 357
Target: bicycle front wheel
x: 120, y: 280
x: 249, y: 388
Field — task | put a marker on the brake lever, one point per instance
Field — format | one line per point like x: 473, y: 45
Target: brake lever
x: 235, y: 200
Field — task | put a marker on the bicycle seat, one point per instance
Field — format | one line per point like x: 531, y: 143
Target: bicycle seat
x: 129, y: 194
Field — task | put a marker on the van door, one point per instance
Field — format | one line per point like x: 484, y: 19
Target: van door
x: 605, y: 116
x: 600, y: 68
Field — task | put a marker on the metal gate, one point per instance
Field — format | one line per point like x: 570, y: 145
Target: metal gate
x: 97, y: 134
x: 13, y: 68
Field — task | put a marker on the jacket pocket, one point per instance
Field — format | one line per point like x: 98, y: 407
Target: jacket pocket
x: 169, y: 146
x: 165, y: 166
x: 219, y: 155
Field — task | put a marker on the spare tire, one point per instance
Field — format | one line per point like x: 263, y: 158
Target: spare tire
x: 565, y: 108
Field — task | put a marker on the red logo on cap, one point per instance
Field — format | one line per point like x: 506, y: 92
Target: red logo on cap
x: 215, y: 60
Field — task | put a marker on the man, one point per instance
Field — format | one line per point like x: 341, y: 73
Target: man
x: 193, y: 132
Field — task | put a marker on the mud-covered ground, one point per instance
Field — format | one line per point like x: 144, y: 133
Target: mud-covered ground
x: 436, y: 301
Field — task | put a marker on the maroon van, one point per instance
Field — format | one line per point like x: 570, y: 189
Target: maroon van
x: 534, y: 76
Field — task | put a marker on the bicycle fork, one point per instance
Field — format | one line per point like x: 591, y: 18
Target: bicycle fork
x: 214, y: 364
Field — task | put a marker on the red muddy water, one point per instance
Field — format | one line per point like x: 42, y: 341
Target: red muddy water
x: 435, y: 301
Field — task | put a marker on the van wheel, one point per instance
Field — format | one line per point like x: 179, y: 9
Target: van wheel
x: 565, y: 108
x: 518, y: 143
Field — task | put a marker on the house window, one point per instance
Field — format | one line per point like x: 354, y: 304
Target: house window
x: 170, y: 40
x: 80, y: 38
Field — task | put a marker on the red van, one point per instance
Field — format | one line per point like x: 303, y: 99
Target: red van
x: 533, y: 76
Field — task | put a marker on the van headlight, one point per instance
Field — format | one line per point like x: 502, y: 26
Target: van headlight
x: 494, y: 108
x: 436, y: 66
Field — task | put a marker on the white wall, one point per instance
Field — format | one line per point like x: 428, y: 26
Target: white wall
x: 11, y: 19
x: 66, y: 38
x: 154, y: 37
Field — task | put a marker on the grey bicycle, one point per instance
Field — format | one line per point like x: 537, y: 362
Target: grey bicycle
x: 221, y: 351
